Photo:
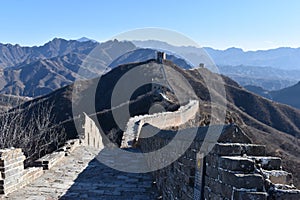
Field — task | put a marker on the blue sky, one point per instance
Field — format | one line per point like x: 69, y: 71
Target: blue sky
x: 248, y: 24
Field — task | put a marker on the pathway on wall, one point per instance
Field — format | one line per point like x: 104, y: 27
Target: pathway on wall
x: 80, y: 176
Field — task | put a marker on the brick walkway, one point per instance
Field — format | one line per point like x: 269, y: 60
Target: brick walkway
x: 80, y: 176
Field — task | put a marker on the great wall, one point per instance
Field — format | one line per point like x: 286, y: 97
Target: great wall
x: 234, y: 168
x: 161, y: 120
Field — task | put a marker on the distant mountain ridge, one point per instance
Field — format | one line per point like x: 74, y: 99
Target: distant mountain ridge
x: 11, y: 55
x: 268, y: 78
x: 85, y: 39
x: 282, y: 58
x: 41, y: 70
x: 60, y: 59
x: 289, y: 96
x: 271, y: 69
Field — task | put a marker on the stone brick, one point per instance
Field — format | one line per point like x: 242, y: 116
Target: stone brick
x: 249, y: 195
x: 209, y: 195
x: 18, y: 165
x: 248, y: 181
x: 12, y: 173
x: 268, y: 163
x: 49, y: 160
x: 6, y: 161
x: 236, y: 163
x: 236, y: 149
x: 10, y: 152
x: 285, y: 194
x: 212, y: 172
x: 279, y: 176
x: 233, y: 134
x: 218, y: 187
x: 206, y: 192
x: 212, y: 160
x: 32, y: 173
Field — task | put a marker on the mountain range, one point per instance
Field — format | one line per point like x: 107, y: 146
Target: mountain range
x: 40, y: 70
x: 36, y: 71
x: 48, y: 72
x: 11, y: 55
x: 271, y: 69
x: 282, y: 58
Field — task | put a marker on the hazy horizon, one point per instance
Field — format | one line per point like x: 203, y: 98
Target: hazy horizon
x: 250, y: 25
x: 215, y: 48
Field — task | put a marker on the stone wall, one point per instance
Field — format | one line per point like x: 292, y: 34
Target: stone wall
x: 15, y: 176
x: 91, y: 134
x: 160, y: 120
x: 233, y: 170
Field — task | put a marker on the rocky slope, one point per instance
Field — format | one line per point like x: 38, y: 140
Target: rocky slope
x: 288, y: 96
x: 9, y: 101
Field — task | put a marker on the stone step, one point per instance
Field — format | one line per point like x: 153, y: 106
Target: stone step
x: 279, y: 176
x: 249, y: 195
x: 237, y: 163
x: 281, y: 194
x: 268, y: 163
x: 240, y: 180
x: 237, y: 149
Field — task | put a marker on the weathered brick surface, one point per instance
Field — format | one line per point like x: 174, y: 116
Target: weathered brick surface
x: 234, y: 163
x: 279, y: 176
x: 268, y: 163
x: 218, y: 187
x: 227, y: 167
x: 13, y: 174
x: 212, y: 172
x: 236, y: 149
x: 48, y: 161
x: 208, y: 194
x: 249, y: 195
x: 248, y: 181
x: 284, y: 195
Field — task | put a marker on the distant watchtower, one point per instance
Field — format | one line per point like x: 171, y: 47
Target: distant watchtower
x: 160, y: 83
x: 201, y: 65
x: 160, y: 56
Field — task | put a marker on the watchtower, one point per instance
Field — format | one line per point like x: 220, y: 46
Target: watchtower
x: 160, y: 56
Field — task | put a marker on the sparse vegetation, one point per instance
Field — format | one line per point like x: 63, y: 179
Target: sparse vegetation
x: 33, y: 131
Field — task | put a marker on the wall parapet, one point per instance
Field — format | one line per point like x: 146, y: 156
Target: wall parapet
x: 91, y: 134
x: 162, y: 120
x: 15, y: 176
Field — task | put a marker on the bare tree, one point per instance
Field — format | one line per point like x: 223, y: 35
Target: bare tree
x: 32, y: 129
